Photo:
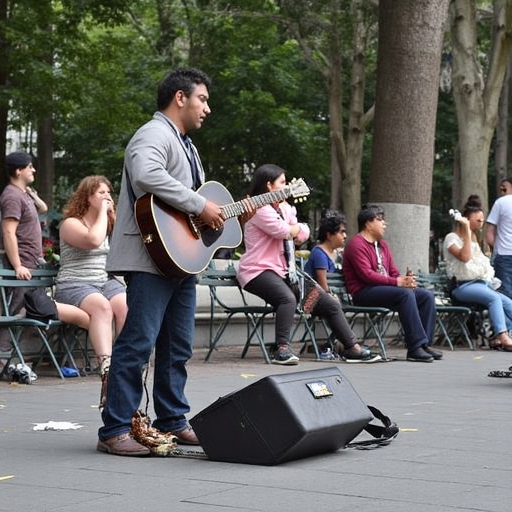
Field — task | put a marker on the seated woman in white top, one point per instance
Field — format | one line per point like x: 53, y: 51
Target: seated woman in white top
x: 475, y: 281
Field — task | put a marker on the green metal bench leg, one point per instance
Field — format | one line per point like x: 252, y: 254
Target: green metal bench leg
x: 257, y: 325
x: 216, y: 338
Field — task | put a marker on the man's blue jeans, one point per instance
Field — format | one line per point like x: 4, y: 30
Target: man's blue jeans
x: 498, y: 304
x: 161, y: 315
x: 416, y: 310
x: 503, y: 269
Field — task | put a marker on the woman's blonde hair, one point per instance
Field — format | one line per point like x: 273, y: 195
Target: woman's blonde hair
x: 78, y: 203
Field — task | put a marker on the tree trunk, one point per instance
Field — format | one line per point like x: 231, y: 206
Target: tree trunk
x: 346, y: 145
x: 338, y: 150
x: 457, y: 179
x: 4, y: 104
x: 501, y: 141
x: 45, y: 163
x: 408, y: 63
x: 476, y: 99
x: 358, y: 120
x: 509, y: 103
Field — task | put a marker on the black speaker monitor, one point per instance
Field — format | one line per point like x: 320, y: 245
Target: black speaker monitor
x: 283, y: 417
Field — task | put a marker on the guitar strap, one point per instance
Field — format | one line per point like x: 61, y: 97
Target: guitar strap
x: 191, y: 155
x: 131, y: 193
x: 189, y: 149
x: 289, y: 254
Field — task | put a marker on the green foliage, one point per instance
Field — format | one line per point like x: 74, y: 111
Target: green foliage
x: 109, y: 12
x: 99, y: 83
x: 265, y: 103
x: 113, y: 88
x: 94, y: 65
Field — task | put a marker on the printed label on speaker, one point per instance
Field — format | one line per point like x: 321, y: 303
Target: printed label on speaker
x: 319, y: 389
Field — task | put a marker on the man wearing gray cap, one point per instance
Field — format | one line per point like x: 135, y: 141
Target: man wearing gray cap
x: 21, y: 237
x: 20, y: 243
x: 21, y: 231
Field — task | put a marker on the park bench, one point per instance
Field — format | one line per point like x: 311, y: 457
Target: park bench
x: 451, y: 319
x: 54, y: 340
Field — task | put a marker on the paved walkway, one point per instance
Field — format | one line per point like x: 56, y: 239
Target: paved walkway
x: 454, y: 453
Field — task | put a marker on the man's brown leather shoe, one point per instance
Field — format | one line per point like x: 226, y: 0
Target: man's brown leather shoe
x: 123, y: 445
x: 186, y: 436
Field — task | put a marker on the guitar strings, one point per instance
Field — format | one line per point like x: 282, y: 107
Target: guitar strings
x: 238, y: 208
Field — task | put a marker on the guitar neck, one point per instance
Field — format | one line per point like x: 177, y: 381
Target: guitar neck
x: 238, y: 208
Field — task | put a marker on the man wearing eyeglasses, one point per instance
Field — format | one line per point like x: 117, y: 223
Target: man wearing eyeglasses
x: 373, y: 279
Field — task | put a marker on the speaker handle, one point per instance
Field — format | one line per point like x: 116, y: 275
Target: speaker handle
x: 382, y: 434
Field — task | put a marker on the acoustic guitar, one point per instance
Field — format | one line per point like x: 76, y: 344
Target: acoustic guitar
x: 181, y: 244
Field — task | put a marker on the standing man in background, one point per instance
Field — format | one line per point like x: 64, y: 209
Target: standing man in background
x: 498, y: 235
x: 21, y: 244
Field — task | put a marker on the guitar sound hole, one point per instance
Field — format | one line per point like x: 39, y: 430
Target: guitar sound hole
x: 210, y: 236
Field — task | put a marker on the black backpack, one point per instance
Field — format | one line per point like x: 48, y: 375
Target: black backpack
x: 39, y: 306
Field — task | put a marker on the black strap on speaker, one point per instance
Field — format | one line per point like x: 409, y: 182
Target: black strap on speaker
x: 382, y: 434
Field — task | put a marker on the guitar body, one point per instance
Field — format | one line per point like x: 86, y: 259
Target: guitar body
x: 176, y: 242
